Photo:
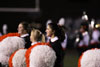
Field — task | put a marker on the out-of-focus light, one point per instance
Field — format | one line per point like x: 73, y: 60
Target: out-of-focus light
x: 77, y: 39
x: 97, y: 25
x: 92, y: 23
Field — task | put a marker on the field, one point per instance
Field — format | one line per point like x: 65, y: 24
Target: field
x: 71, y: 58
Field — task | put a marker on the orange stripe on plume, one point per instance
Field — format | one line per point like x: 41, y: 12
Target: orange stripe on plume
x: 11, y: 58
x: 8, y: 35
x: 79, y: 61
x: 27, y: 54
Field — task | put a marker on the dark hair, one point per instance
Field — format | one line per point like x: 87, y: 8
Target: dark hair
x: 84, y: 25
x: 59, y: 32
x: 25, y: 25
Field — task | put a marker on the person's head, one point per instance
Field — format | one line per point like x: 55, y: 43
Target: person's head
x: 84, y: 26
x: 53, y: 30
x: 23, y: 27
x: 37, y: 35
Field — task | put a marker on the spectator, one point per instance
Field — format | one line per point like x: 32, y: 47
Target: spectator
x: 24, y: 33
x: 56, y: 35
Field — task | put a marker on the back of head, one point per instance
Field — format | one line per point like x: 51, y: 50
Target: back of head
x: 90, y: 58
x: 37, y: 35
x: 42, y: 56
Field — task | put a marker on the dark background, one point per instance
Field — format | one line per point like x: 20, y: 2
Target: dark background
x: 49, y: 9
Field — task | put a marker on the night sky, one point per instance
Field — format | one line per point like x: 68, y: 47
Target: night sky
x: 71, y: 8
x: 49, y: 9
